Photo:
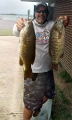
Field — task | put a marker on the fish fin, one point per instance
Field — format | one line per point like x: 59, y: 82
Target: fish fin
x: 50, y: 53
x: 27, y: 74
x: 20, y: 61
x: 54, y: 66
x: 33, y: 60
x: 59, y: 35
x: 61, y: 56
x: 50, y: 48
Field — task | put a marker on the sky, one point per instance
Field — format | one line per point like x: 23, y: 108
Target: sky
x: 16, y: 7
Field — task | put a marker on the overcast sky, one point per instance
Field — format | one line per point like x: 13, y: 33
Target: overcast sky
x: 16, y: 6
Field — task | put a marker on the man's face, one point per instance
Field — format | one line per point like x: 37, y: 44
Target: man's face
x: 41, y: 15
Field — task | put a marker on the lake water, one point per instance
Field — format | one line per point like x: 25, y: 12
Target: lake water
x: 13, y: 17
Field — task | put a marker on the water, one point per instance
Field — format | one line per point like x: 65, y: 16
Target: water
x: 13, y: 17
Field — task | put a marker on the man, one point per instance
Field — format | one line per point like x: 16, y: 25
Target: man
x: 39, y: 91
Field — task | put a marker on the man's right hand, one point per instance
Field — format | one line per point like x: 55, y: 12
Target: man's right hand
x: 20, y: 24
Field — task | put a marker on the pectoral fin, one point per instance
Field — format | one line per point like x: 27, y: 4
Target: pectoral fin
x: 59, y: 35
x: 20, y: 61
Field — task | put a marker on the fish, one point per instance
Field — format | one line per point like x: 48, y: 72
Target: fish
x: 27, y: 47
x: 56, y: 43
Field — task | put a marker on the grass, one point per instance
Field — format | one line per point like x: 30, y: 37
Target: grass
x: 61, y: 110
x: 6, y: 32
x: 60, y: 64
x: 65, y: 76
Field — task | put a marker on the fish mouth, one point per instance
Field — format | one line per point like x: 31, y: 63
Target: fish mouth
x: 29, y: 22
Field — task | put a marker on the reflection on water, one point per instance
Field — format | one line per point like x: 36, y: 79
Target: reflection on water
x: 12, y: 17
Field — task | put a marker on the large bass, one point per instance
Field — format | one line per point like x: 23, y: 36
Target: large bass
x: 56, y: 43
x: 27, y: 48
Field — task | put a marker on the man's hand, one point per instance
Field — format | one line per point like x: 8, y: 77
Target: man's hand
x: 20, y: 24
x: 66, y: 20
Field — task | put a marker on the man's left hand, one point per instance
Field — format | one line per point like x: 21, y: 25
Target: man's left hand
x: 66, y: 20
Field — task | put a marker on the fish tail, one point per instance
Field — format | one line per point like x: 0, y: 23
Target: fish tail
x: 27, y: 74
x: 20, y: 61
x: 54, y: 66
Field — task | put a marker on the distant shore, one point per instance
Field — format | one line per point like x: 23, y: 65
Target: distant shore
x: 13, y: 16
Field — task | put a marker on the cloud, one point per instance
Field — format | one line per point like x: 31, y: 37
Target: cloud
x: 16, y: 6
